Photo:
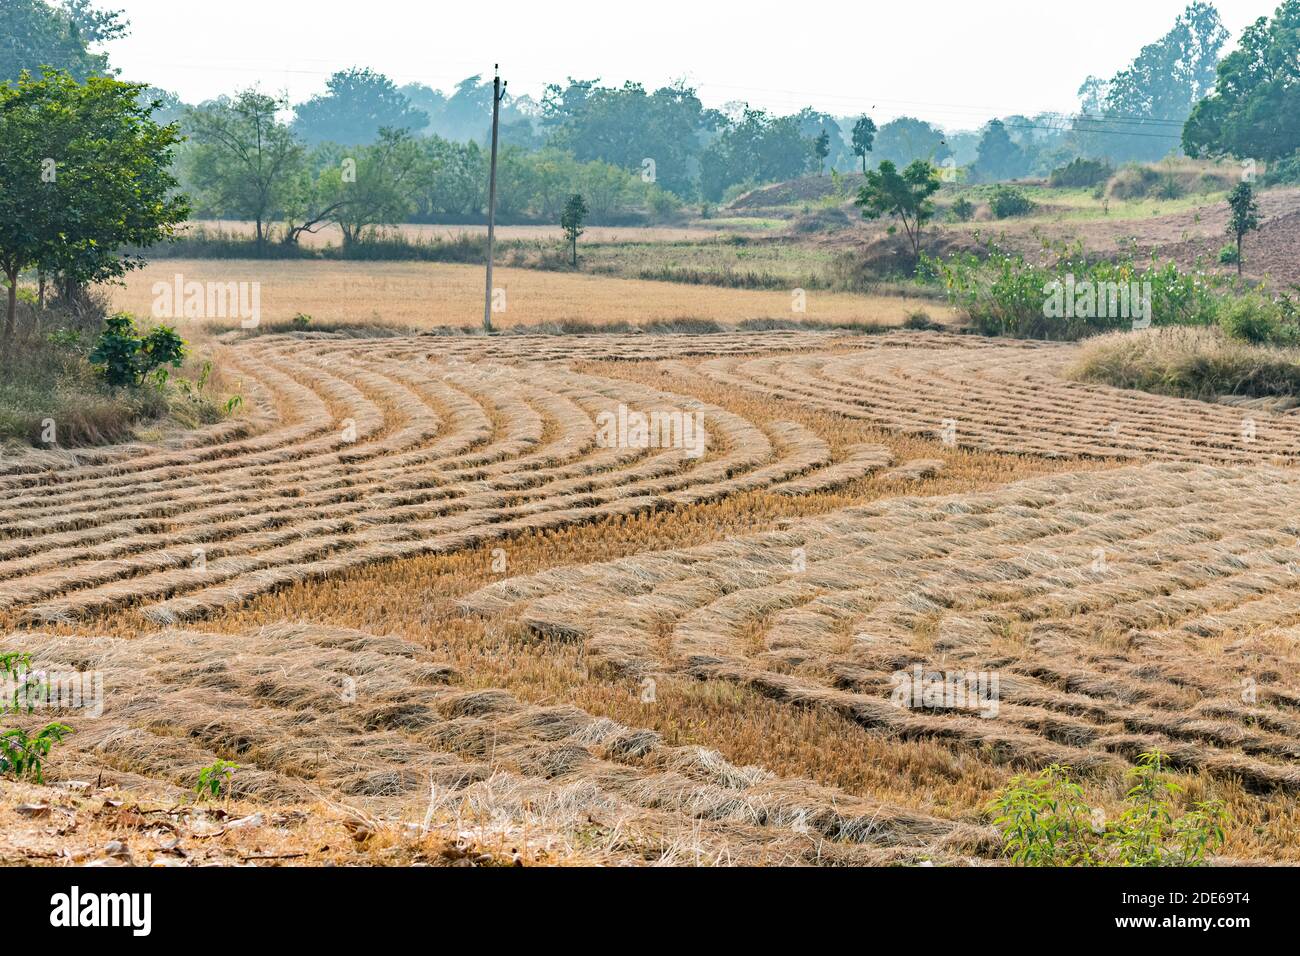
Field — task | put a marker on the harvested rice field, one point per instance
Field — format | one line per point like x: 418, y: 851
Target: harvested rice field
x: 661, y: 599
x: 417, y: 295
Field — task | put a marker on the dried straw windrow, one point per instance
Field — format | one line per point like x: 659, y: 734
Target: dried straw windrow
x: 1119, y: 610
x: 860, y: 462
x: 916, y: 470
x: 364, y: 451
x: 379, y: 724
x: 1010, y: 397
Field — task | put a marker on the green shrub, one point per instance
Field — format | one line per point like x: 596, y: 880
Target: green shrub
x: 1256, y: 320
x: 1133, y: 182
x: 1045, y: 821
x: 921, y: 322
x: 127, y: 359
x: 663, y: 204
x: 1228, y: 255
x: 963, y: 210
x: 1005, y: 295
x: 1007, y: 201
x: 1285, y: 172
x: 1169, y: 187
x: 1081, y: 174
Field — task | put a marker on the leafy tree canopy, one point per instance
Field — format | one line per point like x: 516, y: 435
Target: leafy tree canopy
x: 37, y: 34
x: 1254, y: 111
x: 903, y: 196
x: 85, y: 174
x: 357, y: 104
x: 906, y: 139
x: 1138, y: 114
x: 628, y: 125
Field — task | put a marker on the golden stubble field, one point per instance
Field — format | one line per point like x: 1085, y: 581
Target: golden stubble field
x: 428, y: 598
x: 431, y: 295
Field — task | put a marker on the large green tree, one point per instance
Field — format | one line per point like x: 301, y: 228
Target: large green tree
x: 37, y: 34
x: 1254, y: 111
x: 244, y: 162
x: 628, y: 125
x: 1138, y: 113
x: 998, y: 157
x: 372, y: 186
x: 906, y: 139
x: 356, y: 105
x: 85, y: 176
x: 755, y: 148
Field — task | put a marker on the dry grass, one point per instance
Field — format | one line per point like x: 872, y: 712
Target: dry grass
x: 412, y: 296
x: 769, y: 736
x: 1192, y: 363
x: 1009, y: 397
x: 361, y: 452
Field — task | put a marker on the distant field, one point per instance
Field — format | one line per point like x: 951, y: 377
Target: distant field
x: 330, y: 235
x: 425, y: 295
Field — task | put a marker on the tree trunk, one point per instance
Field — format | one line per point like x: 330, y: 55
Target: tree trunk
x: 575, y: 253
x: 11, y: 316
x: 1239, y: 256
x: 40, y: 291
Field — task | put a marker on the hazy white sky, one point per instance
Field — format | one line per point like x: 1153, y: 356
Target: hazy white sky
x: 952, y: 62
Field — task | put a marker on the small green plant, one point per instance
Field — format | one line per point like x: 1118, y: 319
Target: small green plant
x: 300, y: 321
x: 233, y: 404
x: 1228, y: 255
x: 1045, y: 821
x: 127, y: 359
x: 1244, y: 216
x: 571, y: 222
x: 214, y: 779
x: 22, y: 756
x: 15, y: 669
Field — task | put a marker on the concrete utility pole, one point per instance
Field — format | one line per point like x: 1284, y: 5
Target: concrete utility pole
x: 498, y: 90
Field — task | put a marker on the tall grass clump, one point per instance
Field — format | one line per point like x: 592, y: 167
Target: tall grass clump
x: 1203, y: 363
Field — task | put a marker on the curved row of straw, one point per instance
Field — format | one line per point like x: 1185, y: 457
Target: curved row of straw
x: 384, y: 449
x: 1011, y: 398
x: 1100, y: 599
x: 375, y: 722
